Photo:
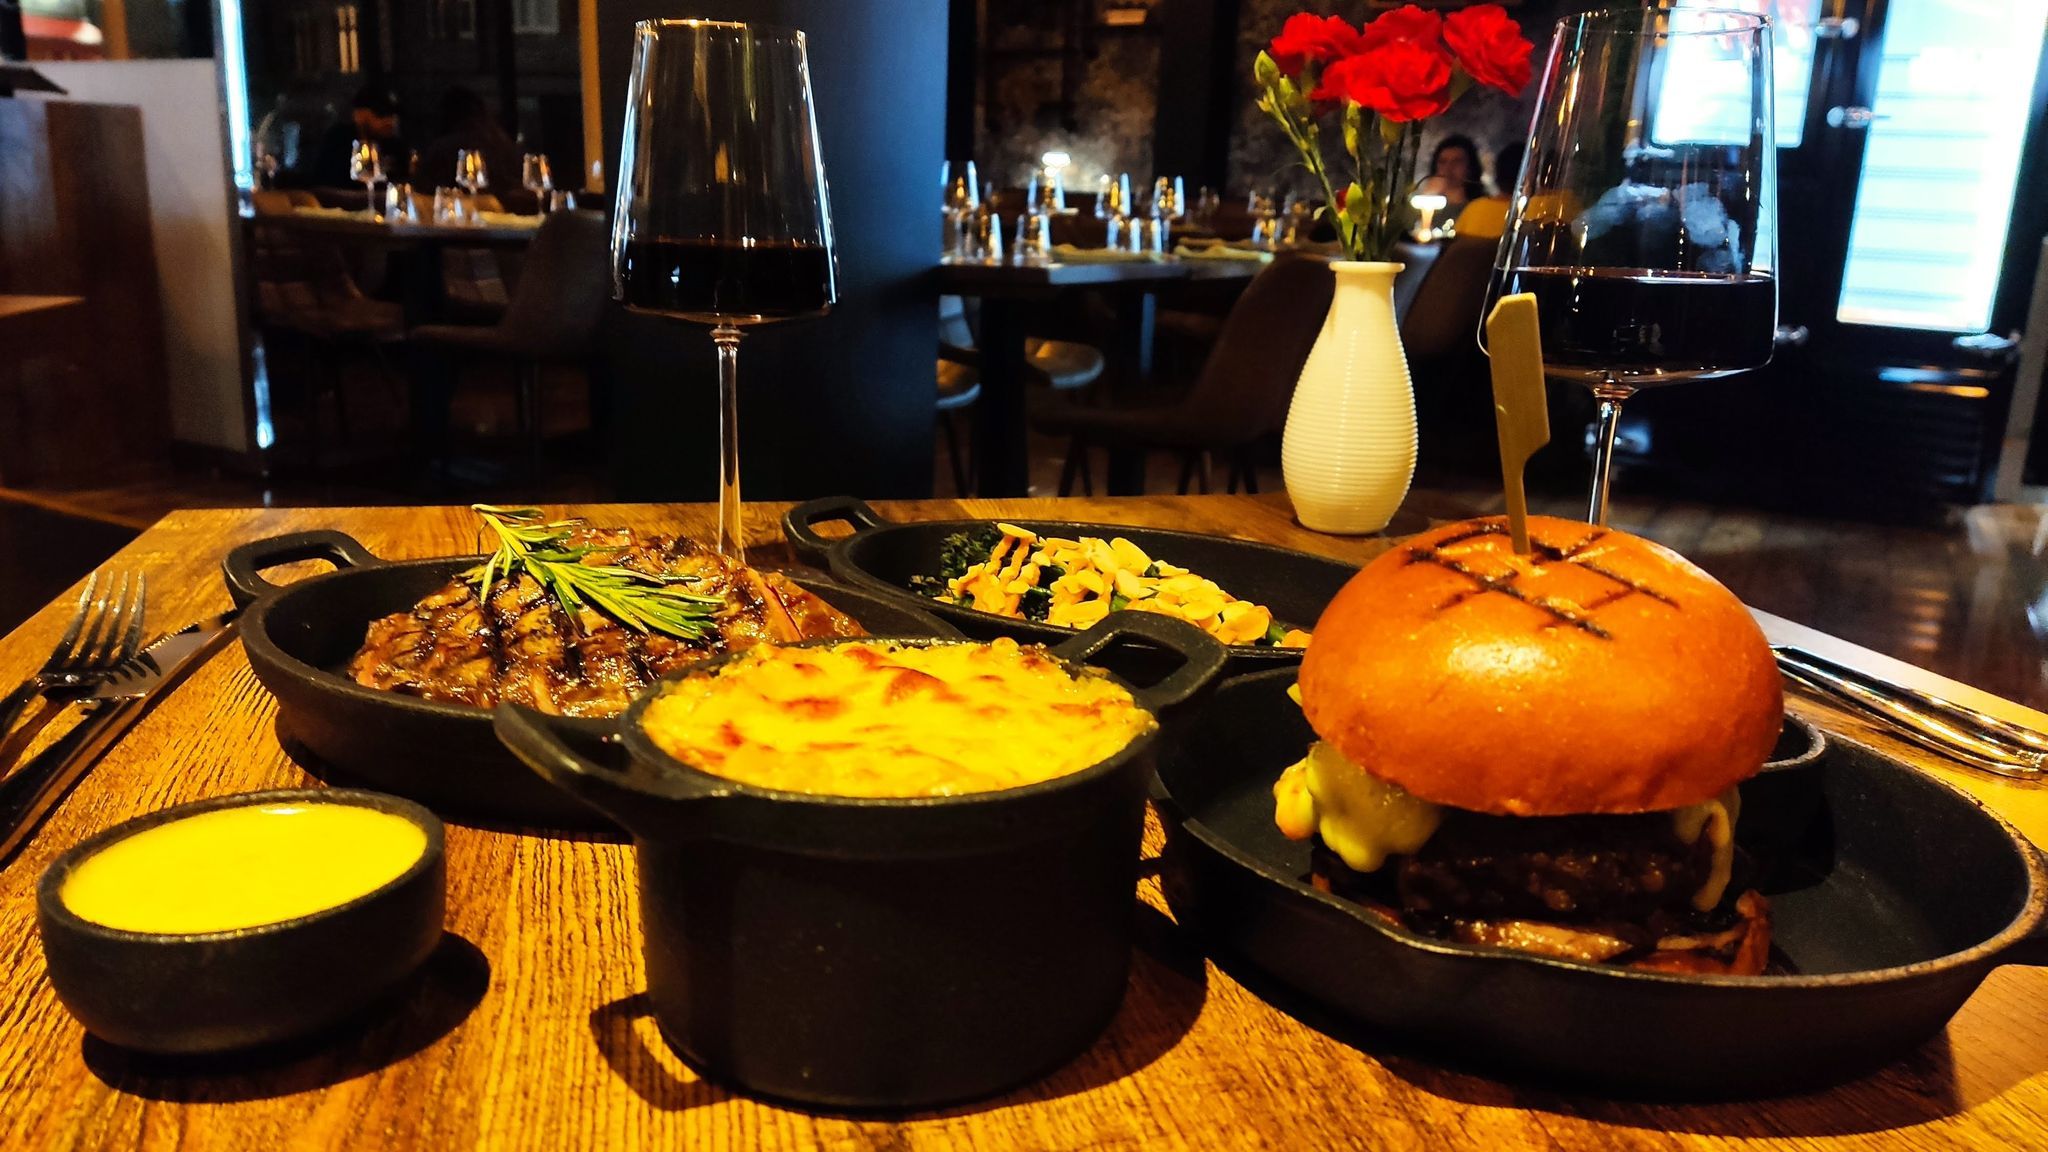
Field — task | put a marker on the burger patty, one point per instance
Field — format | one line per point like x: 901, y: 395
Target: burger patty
x: 1573, y: 869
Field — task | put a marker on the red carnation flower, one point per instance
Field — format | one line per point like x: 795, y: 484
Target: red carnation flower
x: 1404, y: 23
x: 1490, y: 46
x: 1401, y: 80
x: 1308, y: 38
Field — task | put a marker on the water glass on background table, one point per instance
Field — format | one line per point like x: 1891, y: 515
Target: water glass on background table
x: 451, y: 207
x: 1651, y: 250
x: 1033, y: 243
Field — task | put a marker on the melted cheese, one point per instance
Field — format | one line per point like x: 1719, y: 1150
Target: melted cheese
x: 1360, y: 817
x: 880, y: 719
x: 1716, y: 818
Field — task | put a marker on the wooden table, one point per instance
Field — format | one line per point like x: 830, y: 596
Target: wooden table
x: 417, y: 245
x: 528, y: 1029
x: 358, y: 225
x: 1002, y: 462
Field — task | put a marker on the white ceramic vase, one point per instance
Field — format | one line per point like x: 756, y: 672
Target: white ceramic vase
x: 1348, y: 453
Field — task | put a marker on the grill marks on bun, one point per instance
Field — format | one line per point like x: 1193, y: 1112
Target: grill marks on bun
x: 1507, y: 581
x: 1602, y: 674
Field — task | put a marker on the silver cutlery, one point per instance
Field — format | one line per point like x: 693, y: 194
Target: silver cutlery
x: 104, y: 631
x: 1960, y: 732
x: 114, y: 704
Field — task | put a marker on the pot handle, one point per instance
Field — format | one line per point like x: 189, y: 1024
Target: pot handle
x: 2031, y: 949
x: 589, y: 760
x: 811, y: 547
x: 1202, y: 657
x: 243, y: 568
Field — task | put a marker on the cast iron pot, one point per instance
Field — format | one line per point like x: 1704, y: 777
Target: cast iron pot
x: 191, y: 993
x: 883, y: 556
x: 300, y: 637
x: 1892, y: 896
x: 880, y: 953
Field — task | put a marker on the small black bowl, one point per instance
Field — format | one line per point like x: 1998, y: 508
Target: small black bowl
x: 196, y: 993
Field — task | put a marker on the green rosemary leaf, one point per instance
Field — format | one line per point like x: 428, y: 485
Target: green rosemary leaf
x: 640, y: 601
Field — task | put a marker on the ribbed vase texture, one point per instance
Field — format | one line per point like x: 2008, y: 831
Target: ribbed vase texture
x: 1348, y: 453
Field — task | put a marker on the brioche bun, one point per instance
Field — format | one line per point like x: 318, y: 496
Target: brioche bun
x: 1603, y: 673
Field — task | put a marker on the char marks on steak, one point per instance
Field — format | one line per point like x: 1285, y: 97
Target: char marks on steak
x: 520, y: 645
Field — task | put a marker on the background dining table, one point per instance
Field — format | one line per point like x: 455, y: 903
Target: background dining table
x: 529, y: 1027
x: 417, y: 244
x: 1006, y: 291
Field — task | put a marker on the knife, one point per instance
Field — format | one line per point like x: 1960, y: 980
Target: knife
x: 33, y: 791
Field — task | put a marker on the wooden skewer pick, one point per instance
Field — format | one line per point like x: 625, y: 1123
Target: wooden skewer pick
x: 1519, y: 414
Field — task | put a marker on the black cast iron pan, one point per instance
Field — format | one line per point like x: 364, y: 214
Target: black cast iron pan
x: 883, y: 556
x: 1893, y: 895
x: 444, y: 756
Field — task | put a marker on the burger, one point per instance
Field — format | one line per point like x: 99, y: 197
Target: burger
x: 1539, y: 751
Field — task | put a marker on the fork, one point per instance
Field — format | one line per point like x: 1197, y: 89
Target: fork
x: 105, y: 630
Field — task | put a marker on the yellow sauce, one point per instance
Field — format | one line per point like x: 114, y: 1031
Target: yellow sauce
x: 880, y: 719
x: 242, y: 867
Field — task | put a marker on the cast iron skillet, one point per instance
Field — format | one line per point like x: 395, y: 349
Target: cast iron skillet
x: 882, y: 556
x: 881, y: 953
x: 442, y: 755
x: 1892, y: 894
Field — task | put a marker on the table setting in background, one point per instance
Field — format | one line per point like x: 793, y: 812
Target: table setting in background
x: 1347, y: 816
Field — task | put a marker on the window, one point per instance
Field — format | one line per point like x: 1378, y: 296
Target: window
x: 1935, y: 199
x: 1714, y: 106
x: 536, y: 17
x: 348, y: 45
x: 455, y: 19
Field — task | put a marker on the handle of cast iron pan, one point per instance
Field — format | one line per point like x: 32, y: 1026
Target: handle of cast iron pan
x: 1202, y: 657
x: 244, y: 567
x: 589, y: 760
x: 798, y: 524
x: 2031, y: 949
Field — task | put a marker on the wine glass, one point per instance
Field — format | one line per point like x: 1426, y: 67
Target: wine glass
x: 1648, y: 241
x: 535, y: 177
x: 962, y: 192
x: 1169, y: 198
x: 721, y: 214
x: 469, y: 170
x: 366, y: 167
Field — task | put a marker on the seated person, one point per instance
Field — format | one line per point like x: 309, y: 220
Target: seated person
x: 1488, y: 215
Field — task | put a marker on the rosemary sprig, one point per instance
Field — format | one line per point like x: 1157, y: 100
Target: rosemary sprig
x: 640, y: 601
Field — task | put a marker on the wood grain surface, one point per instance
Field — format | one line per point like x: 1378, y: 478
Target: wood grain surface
x: 527, y: 1029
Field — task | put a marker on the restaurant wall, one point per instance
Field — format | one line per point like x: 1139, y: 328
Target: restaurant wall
x: 844, y: 403
x: 190, y: 216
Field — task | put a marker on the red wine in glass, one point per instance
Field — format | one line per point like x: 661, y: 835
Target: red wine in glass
x: 1649, y: 326
x: 721, y: 281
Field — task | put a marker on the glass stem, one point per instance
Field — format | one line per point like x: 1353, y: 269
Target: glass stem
x: 1610, y: 394
x: 731, y: 532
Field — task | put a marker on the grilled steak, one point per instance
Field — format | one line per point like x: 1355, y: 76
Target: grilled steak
x: 520, y: 645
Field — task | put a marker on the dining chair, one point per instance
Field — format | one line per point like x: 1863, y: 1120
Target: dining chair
x: 315, y: 319
x: 1062, y: 366
x: 959, y: 388
x: 1440, y: 333
x: 551, y: 319
x: 1239, y: 398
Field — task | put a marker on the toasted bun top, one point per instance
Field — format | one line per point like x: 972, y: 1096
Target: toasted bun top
x: 1600, y: 674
